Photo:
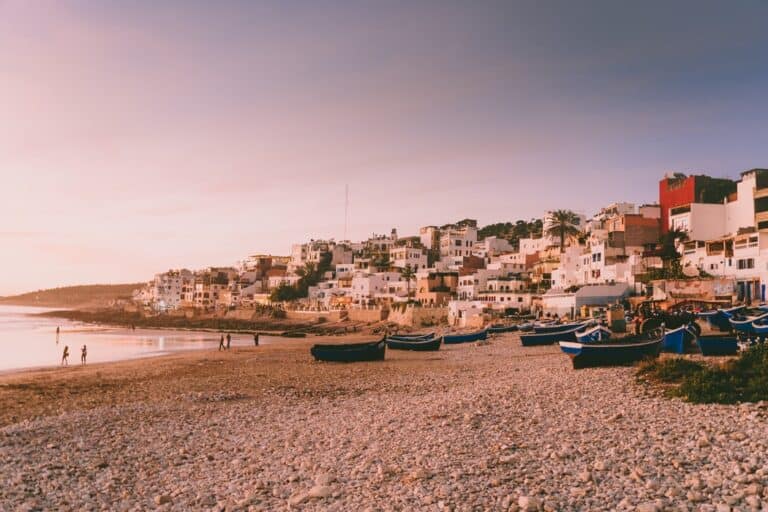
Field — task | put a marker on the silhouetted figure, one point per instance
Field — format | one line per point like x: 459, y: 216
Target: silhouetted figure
x: 58, y: 329
x: 83, y: 354
x: 221, y: 343
x: 65, y: 356
x: 255, y: 339
x: 229, y: 340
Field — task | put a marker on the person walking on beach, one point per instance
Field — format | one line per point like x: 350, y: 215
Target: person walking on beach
x: 65, y: 356
x: 221, y: 343
x: 83, y: 354
x: 58, y: 330
x: 255, y: 339
x: 229, y: 340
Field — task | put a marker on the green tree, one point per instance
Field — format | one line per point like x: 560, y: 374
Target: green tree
x: 284, y: 293
x: 670, y: 258
x: 381, y: 261
x: 563, y: 226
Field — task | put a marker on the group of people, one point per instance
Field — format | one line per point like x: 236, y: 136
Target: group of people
x: 65, y: 355
x: 229, y: 341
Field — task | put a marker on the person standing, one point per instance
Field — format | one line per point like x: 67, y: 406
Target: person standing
x: 229, y: 340
x: 221, y: 343
x: 255, y: 339
x: 58, y: 330
x: 83, y: 354
x: 65, y: 356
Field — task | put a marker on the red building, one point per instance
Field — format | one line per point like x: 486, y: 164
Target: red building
x: 680, y: 190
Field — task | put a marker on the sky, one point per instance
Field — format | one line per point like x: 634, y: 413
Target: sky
x: 138, y: 136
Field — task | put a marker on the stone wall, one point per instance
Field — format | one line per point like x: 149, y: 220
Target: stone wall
x: 416, y: 317
x: 367, y: 315
x: 314, y: 316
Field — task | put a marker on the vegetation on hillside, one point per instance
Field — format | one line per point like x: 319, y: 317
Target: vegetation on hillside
x: 74, y: 296
x: 743, y: 379
x: 512, y: 232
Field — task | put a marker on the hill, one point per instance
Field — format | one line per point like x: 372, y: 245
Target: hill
x: 75, y: 297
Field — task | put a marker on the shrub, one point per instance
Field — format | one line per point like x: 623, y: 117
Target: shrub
x: 744, y: 379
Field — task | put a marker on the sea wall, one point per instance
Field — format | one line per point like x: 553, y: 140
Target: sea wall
x: 314, y: 316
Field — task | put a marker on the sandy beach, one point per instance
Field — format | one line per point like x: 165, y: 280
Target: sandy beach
x: 494, y: 427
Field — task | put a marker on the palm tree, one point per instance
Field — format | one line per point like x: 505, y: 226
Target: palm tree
x: 408, y: 275
x: 563, y: 225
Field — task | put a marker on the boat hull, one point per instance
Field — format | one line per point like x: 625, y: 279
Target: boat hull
x: 718, y: 345
x: 350, y: 353
x: 452, y: 339
x: 587, y: 355
x: 502, y: 328
x: 547, y: 329
x: 415, y: 345
x: 532, y: 340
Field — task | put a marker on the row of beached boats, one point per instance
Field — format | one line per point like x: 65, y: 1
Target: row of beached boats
x: 587, y: 343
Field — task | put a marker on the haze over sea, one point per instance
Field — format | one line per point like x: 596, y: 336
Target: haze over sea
x: 28, y: 340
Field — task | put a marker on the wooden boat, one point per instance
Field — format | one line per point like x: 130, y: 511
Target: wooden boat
x: 525, y: 327
x: 678, y: 340
x: 544, y: 329
x: 350, y: 352
x: 747, y: 324
x: 718, y: 319
x: 628, y: 350
x: 411, y: 337
x: 718, y: 345
x: 430, y: 344
x: 450, y: 339
x: 760, y: 328
x: 294, y: 334
x: 496, y: 329
x: 548, y: 338
x: 596, y: 333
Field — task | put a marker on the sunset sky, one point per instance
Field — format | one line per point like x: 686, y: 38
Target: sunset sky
x: 141, y: 136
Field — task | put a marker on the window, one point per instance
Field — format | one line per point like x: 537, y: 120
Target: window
x: 761, y: 204
x: 458, y: 243
x: 746, y: 263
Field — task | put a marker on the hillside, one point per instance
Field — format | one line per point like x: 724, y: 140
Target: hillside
x: 85, y: 296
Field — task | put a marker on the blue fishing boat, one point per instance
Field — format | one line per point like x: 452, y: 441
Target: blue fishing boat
x: 718, y: 319
x: 418, y: 345
x: 411, y: 337
x: 596, y: 333
x: 620, y: 352
x: 451, y: 339
x: 497, y: 329
x: 746, y: 324
x: 718, y: 345
x: 550, y: 328
x: 760, y: 328
x: 677, y: 340
x: 548, y: 338
x: 350, y: 352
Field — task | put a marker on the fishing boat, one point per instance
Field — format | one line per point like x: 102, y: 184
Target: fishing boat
x: 411, y: 337
x: 429, y: 344
x: 450, y: 339
x: 625, y: 351
x: 718, y: 319
x: 718, y: 345
x: 525, y: 327
x: 760, y: 328
x: 677, y: 340
x: 596, y: 333
x: 551, y: 328
x: 350, y: 352
x: 548, y: 338
x: 746, y: 324
x: 294, y: 334
x: 496, y: 329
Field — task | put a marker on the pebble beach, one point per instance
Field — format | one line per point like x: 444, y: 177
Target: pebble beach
x: 470, y: 427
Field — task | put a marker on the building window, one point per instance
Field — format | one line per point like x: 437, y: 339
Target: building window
x: 746, y: 263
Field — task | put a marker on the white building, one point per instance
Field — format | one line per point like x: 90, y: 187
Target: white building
x: 415, y: 257
x: 166, y: 289
x: 457, y: 242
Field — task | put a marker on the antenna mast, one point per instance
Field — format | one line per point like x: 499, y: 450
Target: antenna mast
x: 346, y: 209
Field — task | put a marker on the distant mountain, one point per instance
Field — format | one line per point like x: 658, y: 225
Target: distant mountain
x: 76, y: 297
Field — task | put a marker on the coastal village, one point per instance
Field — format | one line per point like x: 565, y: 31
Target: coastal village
x: 702, y: 241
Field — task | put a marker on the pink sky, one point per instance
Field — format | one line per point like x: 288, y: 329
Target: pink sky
x: 135, y: 137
